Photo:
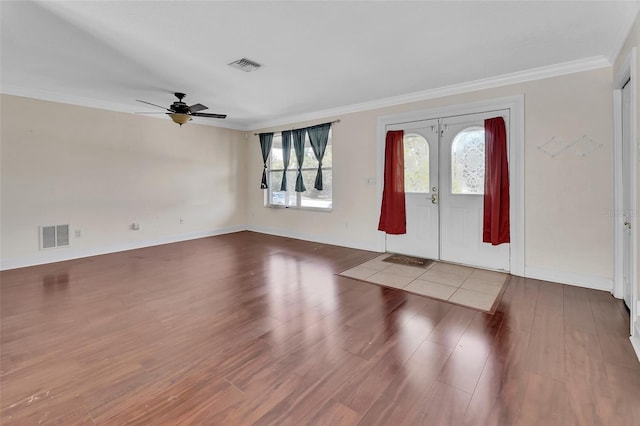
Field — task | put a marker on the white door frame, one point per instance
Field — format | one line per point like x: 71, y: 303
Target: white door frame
x: 515, y: 105
x: 627, y: 72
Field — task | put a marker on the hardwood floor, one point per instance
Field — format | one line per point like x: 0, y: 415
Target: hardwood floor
x: 254, y: 329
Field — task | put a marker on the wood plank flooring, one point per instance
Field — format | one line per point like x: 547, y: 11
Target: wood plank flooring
x: 247, y: 328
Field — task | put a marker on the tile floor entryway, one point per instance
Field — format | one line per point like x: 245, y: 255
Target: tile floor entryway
x: 471, y: 287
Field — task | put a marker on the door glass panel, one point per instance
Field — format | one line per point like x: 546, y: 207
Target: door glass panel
x: 416, y: 163
x: 468, y: 162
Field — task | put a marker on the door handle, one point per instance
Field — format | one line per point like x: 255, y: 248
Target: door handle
x: 434, y: 198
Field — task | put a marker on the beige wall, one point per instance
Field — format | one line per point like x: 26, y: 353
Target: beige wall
x: 100, y: 171
x: 633, y: 40
x: 567, y: 198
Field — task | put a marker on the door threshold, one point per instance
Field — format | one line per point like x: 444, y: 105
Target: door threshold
x: 504, y: 271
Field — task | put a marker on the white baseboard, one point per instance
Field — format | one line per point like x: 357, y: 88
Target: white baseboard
x: 315, y: 238
x: 51, y: 256
x: 635, y: 339
x: 579, y: 280
x: 69, y: 253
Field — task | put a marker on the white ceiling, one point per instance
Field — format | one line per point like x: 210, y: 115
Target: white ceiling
x: 318, y: 56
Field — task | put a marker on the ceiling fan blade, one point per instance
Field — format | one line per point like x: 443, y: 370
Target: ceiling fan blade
x: 149, y: 103
x: 204, y: 114
x: 197, y: 107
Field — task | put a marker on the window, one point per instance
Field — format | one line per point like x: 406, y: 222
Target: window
x: 311, y: 198
x: 468, y: 162
x: 416, y: 163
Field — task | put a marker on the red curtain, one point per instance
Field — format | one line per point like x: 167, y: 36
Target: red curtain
x: 495, y: 229
x: 393, y: 217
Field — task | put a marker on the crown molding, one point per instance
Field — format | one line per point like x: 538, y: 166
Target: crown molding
x: 564, y: 68
x: 52, y: 96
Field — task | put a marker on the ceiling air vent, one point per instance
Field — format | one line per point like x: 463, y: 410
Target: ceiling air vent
x: 54, y: 236
x: 246, y: 65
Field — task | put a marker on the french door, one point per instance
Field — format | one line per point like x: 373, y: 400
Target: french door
x: 444, y: 191
x: 421, y: 191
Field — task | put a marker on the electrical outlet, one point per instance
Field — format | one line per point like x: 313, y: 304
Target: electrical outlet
x: 135, y: 226
x: 78, y: 233
x: 181, y: 221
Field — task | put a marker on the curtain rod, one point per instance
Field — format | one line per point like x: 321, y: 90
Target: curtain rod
x: 280, y: 131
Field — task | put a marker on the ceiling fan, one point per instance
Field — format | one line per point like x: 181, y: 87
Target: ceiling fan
x: 180, y: 112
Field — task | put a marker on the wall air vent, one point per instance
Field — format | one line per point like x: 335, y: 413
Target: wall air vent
x: 53, y: 236
x: 244, y: 64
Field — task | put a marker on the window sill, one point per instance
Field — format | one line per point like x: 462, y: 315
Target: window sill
x: 312, y: 209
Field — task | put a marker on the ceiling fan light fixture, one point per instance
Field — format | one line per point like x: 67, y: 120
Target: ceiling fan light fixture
x: 180, y: 112
x: 180, y: 118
